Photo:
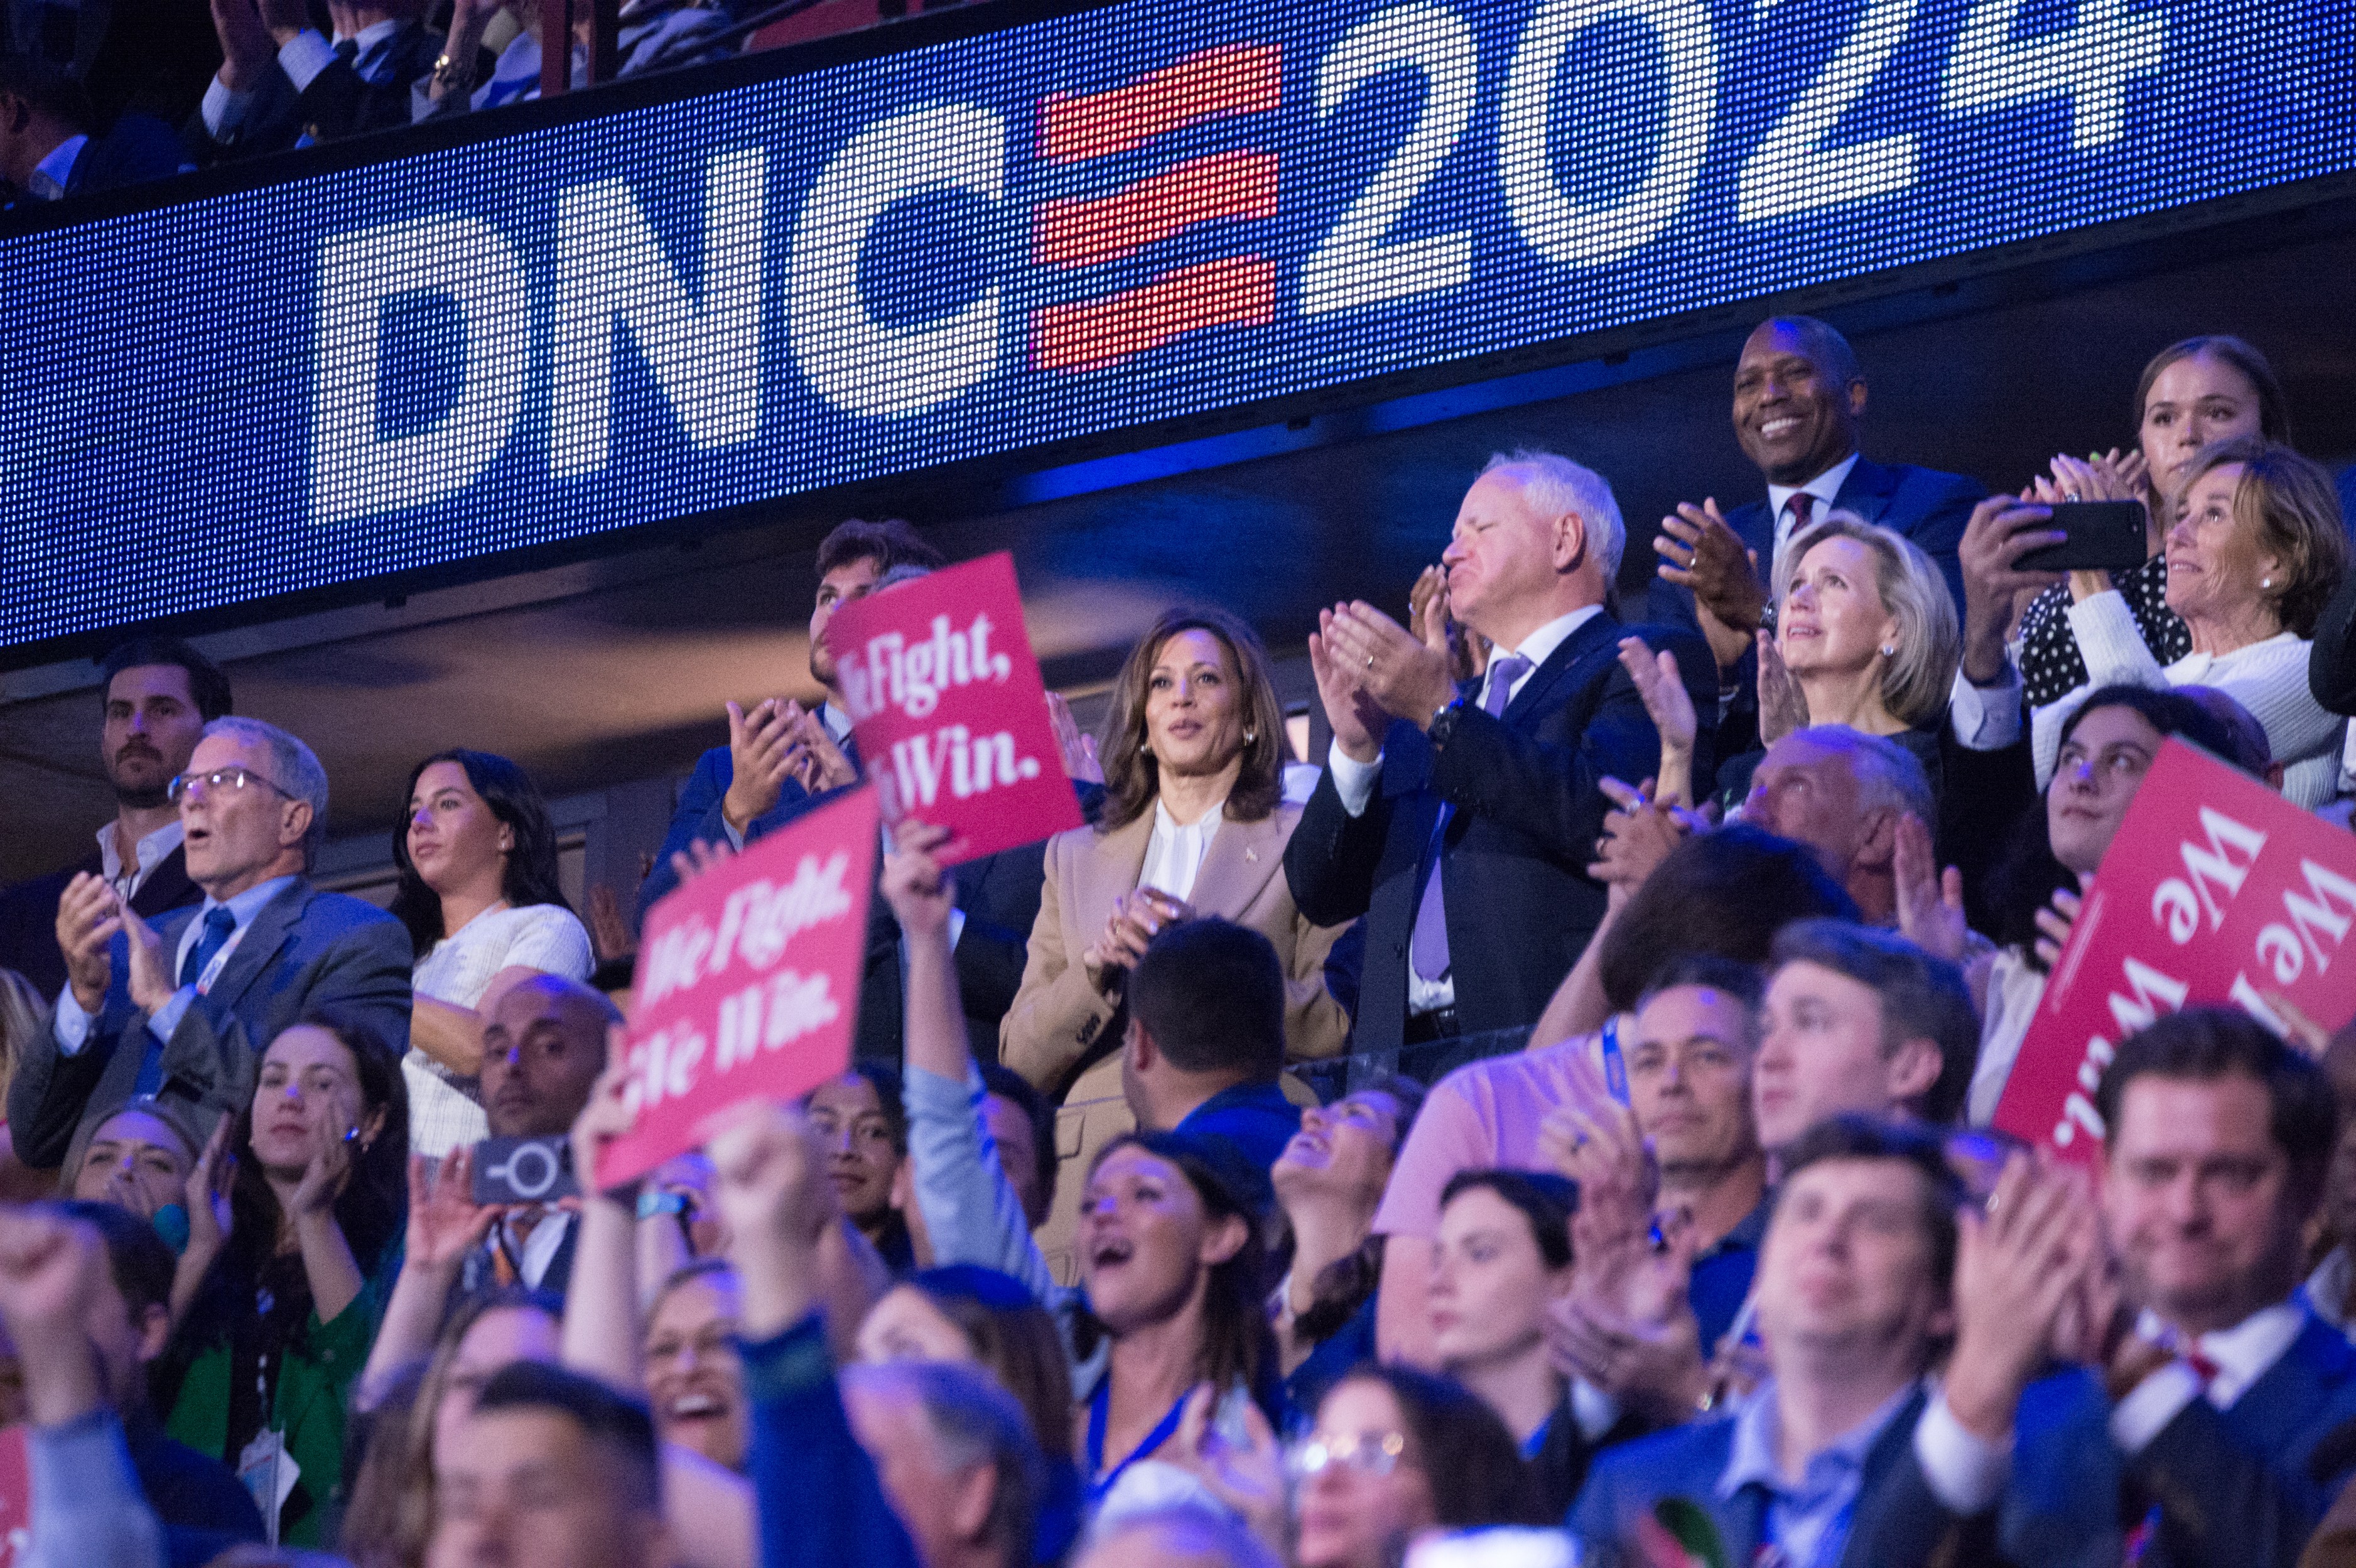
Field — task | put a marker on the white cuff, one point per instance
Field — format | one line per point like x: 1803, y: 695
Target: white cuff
x: 735, y: 834
x: 2154, y: 1403
x: 957, y: 927
x: 304, y: 56
x: 71, y: 1024
x: 2110, y: 641
x: 1986, y: 718
x: 224, y: 111
x: 1965, y: 1472
x: 1353, y: 781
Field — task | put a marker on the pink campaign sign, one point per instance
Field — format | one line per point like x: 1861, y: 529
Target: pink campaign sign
x: 2215, y: 890
x: 949, y: 710
x: 748, y: 982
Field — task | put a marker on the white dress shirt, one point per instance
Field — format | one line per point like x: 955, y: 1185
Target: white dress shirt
x: 2243, y: 1354
x: 1354, y: 781
x: 48, y: 182
x: 1825, y: 488
x: 301, y: 58
x: 149, y: 852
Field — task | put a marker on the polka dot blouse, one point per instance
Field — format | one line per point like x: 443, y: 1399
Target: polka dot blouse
x: 2050, y: 665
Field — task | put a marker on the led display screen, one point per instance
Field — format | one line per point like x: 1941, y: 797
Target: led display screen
x: 1133, y: 213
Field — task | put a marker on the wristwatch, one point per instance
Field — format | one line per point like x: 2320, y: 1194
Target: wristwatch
x: 1444, y: 723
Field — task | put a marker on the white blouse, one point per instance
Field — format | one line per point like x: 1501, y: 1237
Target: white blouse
x: 1173, y: 855
x: 444, y: 1109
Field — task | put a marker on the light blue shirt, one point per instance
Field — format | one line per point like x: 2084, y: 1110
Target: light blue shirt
x: 73, y: 1026
x: 50, y: 175
x: 1809, y: 1518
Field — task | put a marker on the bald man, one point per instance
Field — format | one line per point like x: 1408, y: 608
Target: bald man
x: 543, y: 1046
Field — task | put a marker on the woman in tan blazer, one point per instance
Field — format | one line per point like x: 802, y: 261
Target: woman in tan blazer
x: 1193, y: 823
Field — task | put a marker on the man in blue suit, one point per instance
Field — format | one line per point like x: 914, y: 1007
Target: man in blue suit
x: 1852, y: 1453
x: 1461, y: 823
x: 1799, y: 404
x: 2218, y: 1138
x: 779, y: 753
x: 203, y: 993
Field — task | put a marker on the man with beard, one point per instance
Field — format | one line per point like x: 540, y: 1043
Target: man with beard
x: 159, y: 694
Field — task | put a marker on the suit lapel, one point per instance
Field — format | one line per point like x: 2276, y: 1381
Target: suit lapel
x: 1111, y: 871
x: 2273, y: 1411
x: 167, y: 887
x: 1598, y: 633
x: 273, y: 923
x: 1866, y: 490
x: 1240, y: 859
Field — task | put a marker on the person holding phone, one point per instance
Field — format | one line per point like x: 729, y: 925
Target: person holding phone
x: 2256, y: 549
x: 259, y: 1368
x: 1193, y: 823
x: 2191, y: 394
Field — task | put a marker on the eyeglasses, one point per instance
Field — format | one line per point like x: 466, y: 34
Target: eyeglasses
x: 219, y: 778
x: 1368, y: 1452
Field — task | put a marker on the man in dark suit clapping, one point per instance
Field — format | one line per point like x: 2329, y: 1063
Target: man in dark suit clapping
x: 1461, y: 823
x: 203, y: 993
x: 157, y: 694
x: 1799, y: 409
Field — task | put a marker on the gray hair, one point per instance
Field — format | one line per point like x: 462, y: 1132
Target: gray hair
x: 1196, y: 1536
x: 1916, y: 681
x: 1887, y: 774
x: 293, y: 768
x: 972, y: 1422
x: 1555, y: 485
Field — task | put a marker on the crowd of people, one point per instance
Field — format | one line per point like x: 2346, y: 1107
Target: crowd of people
x: 1718, y: 1258
x: 96, y: 97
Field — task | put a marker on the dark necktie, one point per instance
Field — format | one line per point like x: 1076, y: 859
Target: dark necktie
x: 1428, y: 947
x: 219, y: 925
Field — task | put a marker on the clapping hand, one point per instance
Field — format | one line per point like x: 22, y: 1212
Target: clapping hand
x: 1079, y: 748
x: 761, y: 758
x: 1638, y: 834
x: 445, y: 1223
x: 700, y: 857
x: 89, y: 914
x: 1661, y: 686
x: 1247, y: 1477
x: 1930, y: 904
x: 2017, y: 1266
x: 331, y: 1163
x: 816, y: 763
x: 1782, y: 706
x: 1427, y: 616
x: 1408, y: 677
x: 1699, y: 550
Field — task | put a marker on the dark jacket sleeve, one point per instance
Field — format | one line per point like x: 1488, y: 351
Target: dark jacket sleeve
x: 1549, y: 792
x: 821, y: 1504
x: 1330, y: 861
x: 2220, y: 1502
x: 46, y: 1095
x: 697, y: 816
x: 2331, y: 666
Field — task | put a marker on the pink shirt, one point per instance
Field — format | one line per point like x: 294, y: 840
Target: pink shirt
x: 1482, y: 1115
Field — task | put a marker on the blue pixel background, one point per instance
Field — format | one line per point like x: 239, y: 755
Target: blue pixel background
x: 154, y: 414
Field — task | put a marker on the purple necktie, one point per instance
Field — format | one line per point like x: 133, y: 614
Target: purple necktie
x: 1427, y: 949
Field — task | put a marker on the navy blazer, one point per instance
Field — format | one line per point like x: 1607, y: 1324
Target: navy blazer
x: 1926, y: 505
x: 305, y: 950
x: 698, y: 817
x: 2232, y: 1486
x: 2059, y: 1510
x: 1529, y: 809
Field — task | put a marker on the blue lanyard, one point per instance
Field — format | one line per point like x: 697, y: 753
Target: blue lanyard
x: 1099, y: 1410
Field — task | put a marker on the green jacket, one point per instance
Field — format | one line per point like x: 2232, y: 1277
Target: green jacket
x: 315, y: 1382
